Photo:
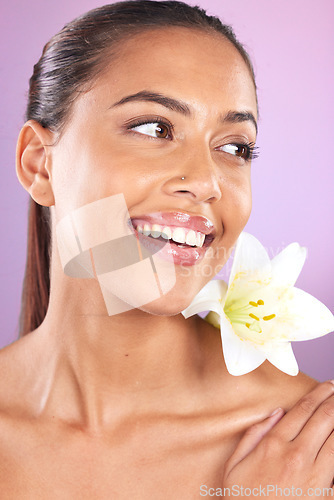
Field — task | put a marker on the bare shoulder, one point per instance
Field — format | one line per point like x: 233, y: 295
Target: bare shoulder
x: 281, y: 389
x: 18, y: 361
x: 12, y: 374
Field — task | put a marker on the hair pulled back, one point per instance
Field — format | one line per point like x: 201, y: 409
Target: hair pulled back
x: 69, y: 64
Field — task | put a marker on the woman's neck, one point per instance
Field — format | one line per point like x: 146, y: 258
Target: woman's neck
x: 100, y: 368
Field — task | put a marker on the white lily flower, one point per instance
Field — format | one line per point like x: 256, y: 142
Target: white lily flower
x: 260, y: 311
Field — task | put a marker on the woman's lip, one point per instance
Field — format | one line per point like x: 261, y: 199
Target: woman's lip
x: 171, y: 252
x: 180, y: 219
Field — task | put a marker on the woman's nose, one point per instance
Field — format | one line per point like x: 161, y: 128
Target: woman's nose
x: 197, y: 179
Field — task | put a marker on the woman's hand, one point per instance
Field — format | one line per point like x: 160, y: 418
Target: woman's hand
x: 292, y: 450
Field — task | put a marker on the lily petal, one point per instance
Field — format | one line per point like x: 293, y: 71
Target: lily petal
x: 250, y: 256
x: 251, y: 267
x: 287, y: 265
x: 209, y: 298
x: 303, y: 317
x: 240, y: 355
x: 281, y: 355
x: 213, y: 319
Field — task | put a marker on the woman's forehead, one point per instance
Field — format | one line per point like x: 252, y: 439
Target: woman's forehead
x: 190, y: 64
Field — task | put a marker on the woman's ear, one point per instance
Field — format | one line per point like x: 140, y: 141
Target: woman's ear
x: 33, y: 162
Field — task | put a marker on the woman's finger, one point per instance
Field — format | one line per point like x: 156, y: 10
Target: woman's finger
x: 325, y: 460
x: 251, y: 438
x: 293, y: 422
x: 318, y: 429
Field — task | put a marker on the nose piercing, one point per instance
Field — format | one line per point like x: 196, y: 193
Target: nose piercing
x: 182, y: 178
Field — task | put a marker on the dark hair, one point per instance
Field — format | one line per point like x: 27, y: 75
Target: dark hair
x: 70, y: 62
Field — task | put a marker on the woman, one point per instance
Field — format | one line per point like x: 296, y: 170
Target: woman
x: 129, y: 109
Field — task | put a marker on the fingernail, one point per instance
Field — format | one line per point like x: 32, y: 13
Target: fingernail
x: 275, y: 412
x: 331, y: 381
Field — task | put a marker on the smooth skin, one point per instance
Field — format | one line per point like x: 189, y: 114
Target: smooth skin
x: 140, y: 405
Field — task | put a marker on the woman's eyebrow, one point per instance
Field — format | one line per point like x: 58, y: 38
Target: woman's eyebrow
x: 182, y: 107
x: 240, y: 116
x: 168, y: 102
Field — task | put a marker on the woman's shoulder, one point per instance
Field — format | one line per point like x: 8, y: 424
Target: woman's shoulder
x: 18, y: 361
x: 12, y: 397
x: 281, y: 389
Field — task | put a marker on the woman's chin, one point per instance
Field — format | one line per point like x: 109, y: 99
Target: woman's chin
x: 168, y: 305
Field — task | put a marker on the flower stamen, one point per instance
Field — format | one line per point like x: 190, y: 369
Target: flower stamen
x: 267, y: 318
x: 254, y: 317
x: 240, y: 315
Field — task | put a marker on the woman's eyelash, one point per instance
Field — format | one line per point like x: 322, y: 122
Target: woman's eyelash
x: 253, y: 151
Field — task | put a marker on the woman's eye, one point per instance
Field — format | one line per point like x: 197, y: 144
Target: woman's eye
x: 247, y: 151
x: 154, y: 129
x: 240, y: 150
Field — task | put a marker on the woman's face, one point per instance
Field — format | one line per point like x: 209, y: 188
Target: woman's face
x: 173, y: 103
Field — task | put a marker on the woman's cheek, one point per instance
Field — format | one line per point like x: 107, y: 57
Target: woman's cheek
x: 237, y: 196
x: 247, y: 208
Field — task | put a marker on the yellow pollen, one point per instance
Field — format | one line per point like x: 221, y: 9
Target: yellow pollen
x: 252, y: 303
x: 260, y: 302
x: 248, y: 325
x: 267, y: 318
x: 254, y: 317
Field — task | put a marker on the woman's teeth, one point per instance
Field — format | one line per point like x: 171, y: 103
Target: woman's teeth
x: 177, y: 234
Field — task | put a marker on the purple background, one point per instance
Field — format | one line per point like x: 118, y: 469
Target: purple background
x: 291, y: 45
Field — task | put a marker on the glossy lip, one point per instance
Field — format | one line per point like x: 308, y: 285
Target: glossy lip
x: 185, y: 256
x: 179, y: 219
